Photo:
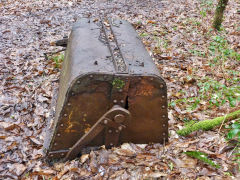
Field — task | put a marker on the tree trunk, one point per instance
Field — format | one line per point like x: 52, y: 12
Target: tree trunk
x: 219, y: 14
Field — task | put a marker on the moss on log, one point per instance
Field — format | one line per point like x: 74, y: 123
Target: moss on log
x: 208, y: 124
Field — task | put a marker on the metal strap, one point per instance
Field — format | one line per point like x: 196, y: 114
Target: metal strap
x: 120, y: 65
x: 115, y: 120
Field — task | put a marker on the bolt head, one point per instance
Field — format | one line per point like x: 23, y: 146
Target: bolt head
x: 78, y: 82
x: 109, y: 131
x: 69, y: 104
x: 116, y: 131
x: 105, y: 121
x: 61, y: 125
x: 114, y: 101
x: 122, y: 101
x: 120, y: 90
x: 164, y: 125
x: 119, y: 118
x: 111, y: 144
x: 163, y: 107
x: 58, y: 134
x: 120, y: 128
x: 161, y: 86
x: 65, y: 115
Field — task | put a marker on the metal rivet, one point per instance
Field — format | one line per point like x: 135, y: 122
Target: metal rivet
x: 164, y: 125
x: 161, y: 86
x: 61, y: 125
x: 120, y: 90
x: 122, y: 101
x: 62, y: 154
x: 163, y: 134
x: 55, y: 144
x: 163, y: 97
x: 116, y: 131
x: 65, y: 115
x: 105, y: 121
x: 91, y: 76
x: 115, y: 101
x: 69, y: 104
x: 111, y: 144
x: 51, y: 155
x: 119, y: 118
x: 109, y: 131
x: 139, y: 78
x: 163, y: 116
x: 58, y: 134
x: 78, y: 82
x: 151, y: 79
x: 120, y: 128
x: 72, y: 94
x: 163, y: 107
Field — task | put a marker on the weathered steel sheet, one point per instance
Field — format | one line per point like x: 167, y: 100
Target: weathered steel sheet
x: 105, y: 65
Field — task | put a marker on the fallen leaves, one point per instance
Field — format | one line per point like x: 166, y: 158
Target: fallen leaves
x: 170, y: 30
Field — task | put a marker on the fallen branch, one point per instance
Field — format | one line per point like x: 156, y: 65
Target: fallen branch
x: 208, y: 124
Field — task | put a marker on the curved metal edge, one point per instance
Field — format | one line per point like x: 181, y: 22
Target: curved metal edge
x: 53, y: 120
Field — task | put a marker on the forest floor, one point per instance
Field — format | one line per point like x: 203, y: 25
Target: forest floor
x: 197, y: 63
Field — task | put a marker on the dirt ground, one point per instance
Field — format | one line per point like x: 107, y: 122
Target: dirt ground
x: 28, y: 80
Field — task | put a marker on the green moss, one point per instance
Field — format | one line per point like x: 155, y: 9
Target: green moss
x: 208, y: 124
x: 118, y: 83
x: 202, y: 157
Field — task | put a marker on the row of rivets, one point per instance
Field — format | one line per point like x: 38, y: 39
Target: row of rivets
x: 115, y: 101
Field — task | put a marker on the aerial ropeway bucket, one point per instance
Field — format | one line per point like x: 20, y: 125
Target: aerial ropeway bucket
x: 110, y: 92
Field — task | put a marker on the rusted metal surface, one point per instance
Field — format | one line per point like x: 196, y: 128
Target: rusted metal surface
x: 105, y: 65
x: 107, y: 121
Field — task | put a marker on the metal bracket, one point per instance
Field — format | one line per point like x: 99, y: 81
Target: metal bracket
x: 113, y: 121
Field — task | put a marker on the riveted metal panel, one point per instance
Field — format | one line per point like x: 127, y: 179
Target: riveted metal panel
x: 105, y: 65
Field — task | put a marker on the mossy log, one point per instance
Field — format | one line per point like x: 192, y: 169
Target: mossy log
x: 218, y: 18
x: 208, y: 124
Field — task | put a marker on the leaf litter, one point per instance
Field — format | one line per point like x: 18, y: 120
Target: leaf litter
x: 28, y: 82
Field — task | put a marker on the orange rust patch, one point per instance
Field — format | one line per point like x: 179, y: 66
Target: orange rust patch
x: 69, y: 124
x: 87, y: 128
x: 144, y: 89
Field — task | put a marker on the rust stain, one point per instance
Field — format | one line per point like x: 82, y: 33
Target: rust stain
x: 87, y: 128
x: 84, y: 117
x: 69, y: 124
x: 144, y: 89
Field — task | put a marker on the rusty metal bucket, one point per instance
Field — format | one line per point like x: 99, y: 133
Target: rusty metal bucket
x: 110, y: 92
